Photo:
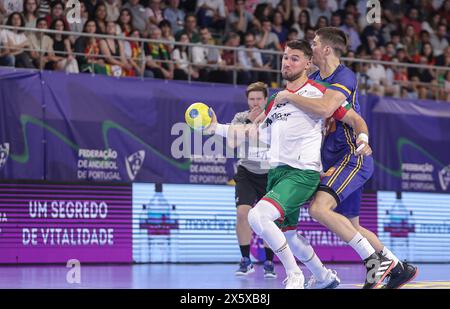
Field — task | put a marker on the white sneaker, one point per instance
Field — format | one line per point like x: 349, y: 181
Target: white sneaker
x: 294, y: 281
x: 331, y: 281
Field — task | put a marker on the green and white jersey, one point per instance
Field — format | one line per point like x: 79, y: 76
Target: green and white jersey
x: 294, y: 136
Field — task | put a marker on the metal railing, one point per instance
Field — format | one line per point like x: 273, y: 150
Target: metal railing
x: 235, y: 68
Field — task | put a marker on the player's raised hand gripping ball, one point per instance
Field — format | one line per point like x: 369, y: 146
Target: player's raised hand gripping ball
x: 199, y: 116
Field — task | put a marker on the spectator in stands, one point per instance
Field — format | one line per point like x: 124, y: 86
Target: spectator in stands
x: 431, y: 23
x: 322, y: 22
x: 112, y: 9
x: 42, y: 47
x: 446, y: 93
x: 228, y: 56
x: 114, y: 53
x: 268, y: 40
x: 298, y: 7
x: 174, y: 15
x: 57, y: 11
x: 285, y: 8
x: 166, y: 33
x: 302, y: 24
x: 44, y: 8
x: 204, y: 57
x: 373, y: 32
x: 17, y: 42
x: 180, y: 56
x: 410, y: 41
x: 135, y: 56
x: 158, y: 57
x: 240, y: 20
x: 78, y: 27
x: 140, y: 20
x: 211, y: 13
x: 412, y: 19
x: 90, y: 6
x: 444, y: 11
x: 396, y: 40
x: 321, y: 9
x: 101, y: 17
x: 126, y: 22
x: 336, y: 20
x: 154, y: 12
x: 63, y: 57
x: 377, y: 74
x: 442, y: 59
x: 292, y: 34
x: 310, y: 35
x: 427, y: 52
x: 439, y: 41
x: 389, y: 53
x: 90, y: 62
x: 278, y: 28
x: 424, y: 38
x: 8, y: 7
x: 190, y: 28
x: 262, y: 11
x: 349, y: 27
x: 251, y: 59
x: 30, y: 13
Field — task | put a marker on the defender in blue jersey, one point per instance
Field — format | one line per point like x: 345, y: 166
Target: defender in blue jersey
x: 346, y: 160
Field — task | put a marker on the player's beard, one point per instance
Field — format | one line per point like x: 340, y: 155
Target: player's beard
x: 290, y: 77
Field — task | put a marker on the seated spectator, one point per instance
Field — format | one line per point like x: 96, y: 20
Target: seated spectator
x: 302, y: 24
x: 262, y: 11
x: 389, y: 53
x: 410, y: 41
x: 413, y: 20
x: 44, y: 8
x: 101, y: 17
x: 240, y: 20
x: 377, y: 74
x: 373, y: 32
x: 57, y: 11
x: 285, y: 8
x: 439, y: 41
x: 396, y: 40
x: 181, y: 57
x: 114, y: 53
x: 321, y: 9
x: 322, y: 22
x: 30, y: 13
x: 42, y: 47
x: 190, y: 28
x: 135, y: 56
x: 336, y: 20
x: 78, y: 27
x: 174, y: 15
x: 310, y: 34
x: 90, y: 7
x: 298, y: 7
x: 204, y: 57
x: 154, y: 12
x: 442, y: 60
x: 431, y: 23
x: 158, y: 57
x: 292, y: 34
x: 277, y: 27
x: 63, y: 59
x: 140, y: 20
x: 17, y: 42
x: 427, y: 52
x: 126, y: 22
x: 349, y: 27
x: 211, y: 13
x: 6, y: 59
x: 112, y: 9
x: 268, y: 40
x: 91, y: 60
x: 166, y: 33
x: 251, y: 59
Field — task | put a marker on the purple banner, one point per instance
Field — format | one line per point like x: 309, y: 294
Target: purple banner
x: 54, y: 223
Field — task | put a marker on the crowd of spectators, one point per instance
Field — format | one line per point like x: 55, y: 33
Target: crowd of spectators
x: 413, y: 31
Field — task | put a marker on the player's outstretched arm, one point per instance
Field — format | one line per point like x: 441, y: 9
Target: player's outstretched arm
x: 324, y: 106
x: 235, y: 134
x: 359, y: 126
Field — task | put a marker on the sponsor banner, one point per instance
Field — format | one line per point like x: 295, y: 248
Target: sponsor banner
x: 53, y: 223
x: 197, y: 223
x: 415, y: 226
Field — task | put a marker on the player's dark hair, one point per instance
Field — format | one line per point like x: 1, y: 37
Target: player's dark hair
x: 301, y: 45
x: 335, y: 38
x: 258, y: 86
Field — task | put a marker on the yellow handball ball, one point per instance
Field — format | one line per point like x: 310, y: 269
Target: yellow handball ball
x: 198, y: 116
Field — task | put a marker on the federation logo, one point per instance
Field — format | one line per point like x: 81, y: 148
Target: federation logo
x: 444, y: 177
x: 134, y: 163
x: 4, y: 154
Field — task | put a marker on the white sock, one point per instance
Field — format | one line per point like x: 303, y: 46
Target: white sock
x: 388, y: 254
x: 303, y: 250
x: 261, y: 219
x: 361, y: 246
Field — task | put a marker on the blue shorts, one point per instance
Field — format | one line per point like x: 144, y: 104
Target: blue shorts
x: 345, y: 181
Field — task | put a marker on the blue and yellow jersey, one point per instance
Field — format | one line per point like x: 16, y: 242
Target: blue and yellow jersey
x: 339, y: 139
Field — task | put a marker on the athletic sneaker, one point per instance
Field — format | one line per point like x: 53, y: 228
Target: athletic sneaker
x: 245, y: 267
x: 294, y: 281
x: 378, y: 267
x: 331, y: 281
x: 269, y: 270
x: 400, y: 275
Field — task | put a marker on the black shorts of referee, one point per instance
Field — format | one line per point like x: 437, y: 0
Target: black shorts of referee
x: 250, y: 187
